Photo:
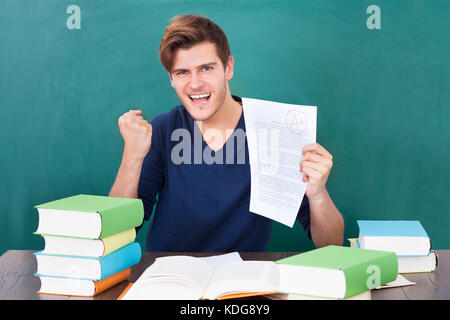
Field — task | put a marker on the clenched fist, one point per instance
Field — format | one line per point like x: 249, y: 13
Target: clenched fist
x: 136, y: 133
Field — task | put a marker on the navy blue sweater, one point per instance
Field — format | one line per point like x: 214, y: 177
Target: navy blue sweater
x: 200, y: 207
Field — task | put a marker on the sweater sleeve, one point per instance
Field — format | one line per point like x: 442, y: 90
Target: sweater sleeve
x: 303, y: 216
x: 152, y: 176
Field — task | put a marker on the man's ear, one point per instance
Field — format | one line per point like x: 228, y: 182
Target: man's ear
x: 229, y: 69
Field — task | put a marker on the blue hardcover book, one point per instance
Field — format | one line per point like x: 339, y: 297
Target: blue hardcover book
x: 404, y: 237
x: 88, y: 268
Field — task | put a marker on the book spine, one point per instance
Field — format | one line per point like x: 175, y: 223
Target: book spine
x: 370, y: 274
x: 118, y: 240
x: 123, y: 258
x: 111, y: 281
x: 121, y: 218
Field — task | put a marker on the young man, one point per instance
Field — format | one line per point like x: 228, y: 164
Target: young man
x: 204, y: 206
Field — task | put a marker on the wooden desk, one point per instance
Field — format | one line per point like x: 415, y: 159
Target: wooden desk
x: 17, y: 280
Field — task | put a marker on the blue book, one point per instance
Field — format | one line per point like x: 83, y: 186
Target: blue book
x: 404, y: 237
x: 88, y: 268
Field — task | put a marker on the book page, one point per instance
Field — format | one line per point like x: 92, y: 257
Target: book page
x: 172, y: 278
x: 276, y: 134
x: 244, y: 276
x: 215, y: 262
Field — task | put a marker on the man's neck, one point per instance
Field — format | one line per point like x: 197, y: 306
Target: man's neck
x: 223, y: 123
x: 226, y: 117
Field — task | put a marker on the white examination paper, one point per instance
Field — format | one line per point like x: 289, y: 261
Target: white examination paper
x: 276, y: 134
x: 400, y: 281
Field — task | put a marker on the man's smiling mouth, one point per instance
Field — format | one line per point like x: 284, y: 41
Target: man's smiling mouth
x: 199, y: 97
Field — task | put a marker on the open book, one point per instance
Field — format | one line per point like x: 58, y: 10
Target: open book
x: 216, y: 277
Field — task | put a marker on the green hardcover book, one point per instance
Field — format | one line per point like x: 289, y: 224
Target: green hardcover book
x: 336, y: 272
x: 89, y: 216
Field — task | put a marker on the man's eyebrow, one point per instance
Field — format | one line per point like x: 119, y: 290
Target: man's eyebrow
x: 200, y: 66
x: 176, y: 70
x: 208, y: 64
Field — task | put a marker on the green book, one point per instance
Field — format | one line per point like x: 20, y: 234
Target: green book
x: 336, y: 272
x: 89, y: 216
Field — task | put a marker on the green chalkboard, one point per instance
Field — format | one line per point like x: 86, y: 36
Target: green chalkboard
x: 377, y: 70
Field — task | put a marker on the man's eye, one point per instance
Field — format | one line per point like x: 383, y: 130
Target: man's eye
x: 181, y: 73
x: 206, y: 68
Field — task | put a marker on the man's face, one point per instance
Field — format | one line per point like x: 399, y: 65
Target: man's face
x: 201, y: 80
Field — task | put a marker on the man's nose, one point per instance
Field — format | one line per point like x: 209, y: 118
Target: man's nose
x: 196, y: 81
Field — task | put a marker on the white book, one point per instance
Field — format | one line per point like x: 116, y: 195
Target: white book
x: 80, y: 287
x: 409, y: 264
x: 404, y: 237
x: 87, y: 247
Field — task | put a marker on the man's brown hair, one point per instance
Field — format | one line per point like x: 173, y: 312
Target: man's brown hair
x: 185, y: 31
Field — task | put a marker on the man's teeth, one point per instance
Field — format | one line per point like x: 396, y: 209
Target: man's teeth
x: 200, y: 96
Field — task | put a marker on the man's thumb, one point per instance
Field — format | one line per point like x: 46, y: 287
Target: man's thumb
x: 138, y: 112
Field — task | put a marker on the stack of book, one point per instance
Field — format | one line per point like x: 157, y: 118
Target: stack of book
x: 407, y: 238
x: 89, y: 243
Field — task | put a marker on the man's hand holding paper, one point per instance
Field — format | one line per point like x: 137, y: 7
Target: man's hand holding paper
x: 315, y: 165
